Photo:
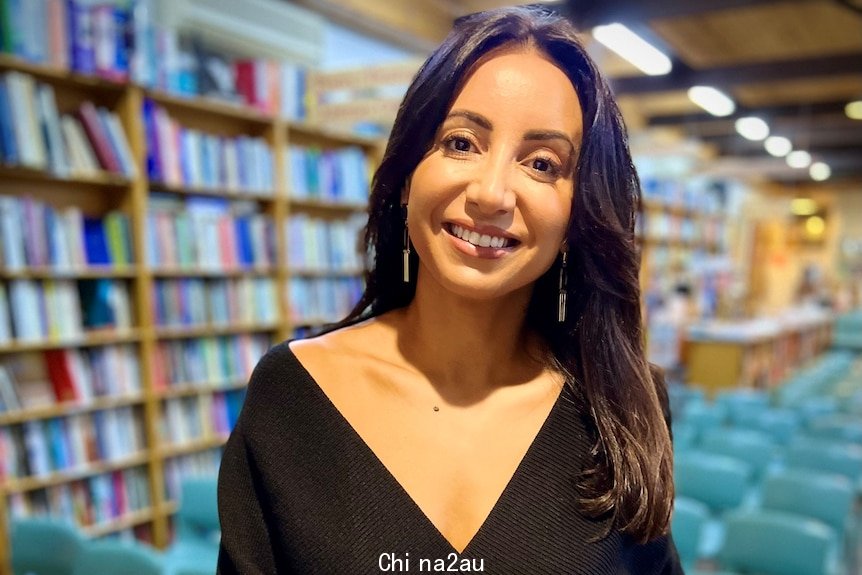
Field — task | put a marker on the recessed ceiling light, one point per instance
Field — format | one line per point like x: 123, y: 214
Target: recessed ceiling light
x: 778, y: 146
x: 820, y: 171
x: 633, y: 48
x: 713, y: 101
x: 752, y: 128
x: 803, y: 207
x: 798, y: 159
x: 854, y: 110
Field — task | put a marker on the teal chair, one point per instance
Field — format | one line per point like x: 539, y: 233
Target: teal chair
x: 115, y: 557
x: 776, y: 543
x: 753, y: 447
x: 782, y: 425
x: 44, y: 546
x: 687, y: 524
x: 822, y: 496
x: 743, y: 406
x: 837, y: 427
x: 197, y: 529
x: 718, y: 481
x: 703, y: 416
x: 684, y: 437
x: 826, y: 456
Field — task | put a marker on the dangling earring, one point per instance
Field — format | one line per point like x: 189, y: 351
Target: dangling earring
x: 561, y: 307
x: 406, y: 249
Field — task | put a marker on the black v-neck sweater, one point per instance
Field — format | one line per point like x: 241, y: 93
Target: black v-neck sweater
x: 301, y: 493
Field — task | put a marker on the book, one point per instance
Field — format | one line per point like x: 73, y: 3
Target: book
x: 98, y: 136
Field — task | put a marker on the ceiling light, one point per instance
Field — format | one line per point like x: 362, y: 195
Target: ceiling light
x: 798, y: 159
x: 713, y: 101
x: 820, y: 171
x: 854, y: 110
x: 752, y: 128
x: 803, y: 207
x: 815, y: 226
x: 778, y: 146
x: 633, y: 48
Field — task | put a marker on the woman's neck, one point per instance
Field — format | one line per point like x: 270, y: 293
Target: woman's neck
x: 468, y: 348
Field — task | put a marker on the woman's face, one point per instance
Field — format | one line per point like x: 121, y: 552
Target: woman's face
x: 489, y: 204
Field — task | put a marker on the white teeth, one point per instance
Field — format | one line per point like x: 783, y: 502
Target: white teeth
x: 474, y: 238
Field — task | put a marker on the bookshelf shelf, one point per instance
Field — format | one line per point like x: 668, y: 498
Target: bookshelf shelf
x: 197, y: 272
x: 213, y: 330
x: 58, y: 76
x: 120, y: 523
x: 325, y: 273
x: 68, y: 408
x: 24, y: 484
x: 325, y: 205
x: 109, y: 272
x: 90, y: 339
x: 214, y: 192
x: 190, y: 390
x: 106, y: 180
x: 315, y: 131
x: 210, y: 107
x: 190, y: 447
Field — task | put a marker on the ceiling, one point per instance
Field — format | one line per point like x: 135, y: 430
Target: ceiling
x: 795, y: 63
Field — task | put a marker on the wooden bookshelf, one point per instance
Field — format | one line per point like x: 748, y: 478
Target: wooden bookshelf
x: 97, y: 194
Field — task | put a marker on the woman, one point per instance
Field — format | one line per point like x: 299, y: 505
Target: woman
x: 487, y: 406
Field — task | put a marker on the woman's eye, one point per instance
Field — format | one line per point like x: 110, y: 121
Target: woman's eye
x: 458, y: 144
x: 545, y: 166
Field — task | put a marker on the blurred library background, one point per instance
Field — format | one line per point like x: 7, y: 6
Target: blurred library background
x: 183, y: 183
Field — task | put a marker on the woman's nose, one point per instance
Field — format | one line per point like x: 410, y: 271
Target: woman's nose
x: 491, y: 193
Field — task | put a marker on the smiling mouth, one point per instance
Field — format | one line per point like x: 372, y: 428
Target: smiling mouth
x: 479, y: 240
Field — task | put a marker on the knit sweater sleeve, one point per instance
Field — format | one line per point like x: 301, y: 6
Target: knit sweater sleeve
x: 246, y: 542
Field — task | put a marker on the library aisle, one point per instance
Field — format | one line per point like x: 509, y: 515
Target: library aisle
x: 184, y: 184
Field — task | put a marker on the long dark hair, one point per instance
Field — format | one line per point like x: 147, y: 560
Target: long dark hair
x: 600, y: 345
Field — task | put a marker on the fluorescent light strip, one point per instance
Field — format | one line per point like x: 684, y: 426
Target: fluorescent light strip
x: 713, y: 101
x: 633, y: 48
x: 854, y: 110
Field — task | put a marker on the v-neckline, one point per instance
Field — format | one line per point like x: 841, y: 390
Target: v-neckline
x: 399, y: 488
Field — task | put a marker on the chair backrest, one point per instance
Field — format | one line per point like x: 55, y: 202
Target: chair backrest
x: 703, y: 416
x: 114, y: 557
x: 775, y: 543
x: 822, y: 496
x: 782, y: 425
x: 687, y: 523
x: 197, y: 516
x: 684, y: 437
x: 31, y: 537
x: 836, y: 427
x: 719, y: 481
x: 824, y: 455
x: 753, y: 447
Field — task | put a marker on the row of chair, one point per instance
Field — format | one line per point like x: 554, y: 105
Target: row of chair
x: 193, y: 552
x: 766, y: 481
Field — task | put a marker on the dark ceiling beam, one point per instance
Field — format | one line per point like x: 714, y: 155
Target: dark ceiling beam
x: 683, y: 78
x: 589, y: 13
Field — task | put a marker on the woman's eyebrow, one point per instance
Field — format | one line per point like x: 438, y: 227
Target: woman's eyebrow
x: 542, y: 135
x: 478, y: 119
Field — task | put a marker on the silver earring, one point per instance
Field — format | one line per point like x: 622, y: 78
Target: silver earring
x: 561, y: 307
x: 405, y: 252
